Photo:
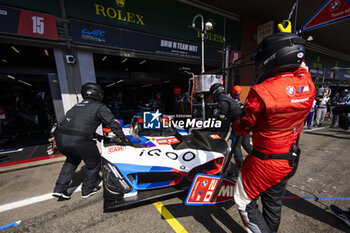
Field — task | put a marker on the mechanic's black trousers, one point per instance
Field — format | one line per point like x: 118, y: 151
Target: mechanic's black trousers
x: 77, y: 148
x: 271, y: 199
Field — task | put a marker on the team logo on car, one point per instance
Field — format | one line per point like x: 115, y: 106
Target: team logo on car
x: 151, y: 120
x: 290, y: 90
x: 204, y: 183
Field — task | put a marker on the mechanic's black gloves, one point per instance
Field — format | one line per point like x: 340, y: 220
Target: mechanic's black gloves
x: 227, y: 105
x: 98, y: 137
x: 123, y: 141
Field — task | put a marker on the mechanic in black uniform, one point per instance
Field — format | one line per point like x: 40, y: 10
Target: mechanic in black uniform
x: 74, y: 140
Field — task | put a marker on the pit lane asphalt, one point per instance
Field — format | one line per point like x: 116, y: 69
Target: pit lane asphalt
x: 323, y: 172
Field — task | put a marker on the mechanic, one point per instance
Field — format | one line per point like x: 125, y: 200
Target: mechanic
x: 74, y: 138
x: 275, y: 111
x: 244, y: 140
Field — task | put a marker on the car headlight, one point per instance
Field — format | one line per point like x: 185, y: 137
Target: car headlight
x: 114, y: 181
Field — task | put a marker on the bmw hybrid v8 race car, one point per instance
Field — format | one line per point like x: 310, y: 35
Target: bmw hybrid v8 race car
x: 159, y: 162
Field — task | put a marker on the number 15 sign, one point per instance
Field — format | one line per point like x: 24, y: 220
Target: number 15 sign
x: 37, y: 25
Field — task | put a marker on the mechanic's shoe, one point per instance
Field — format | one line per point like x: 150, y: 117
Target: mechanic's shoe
x: 88, y: 194
x: 341, y: 214
x: 62, y: 195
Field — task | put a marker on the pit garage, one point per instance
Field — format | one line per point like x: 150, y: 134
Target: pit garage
x: 132, y: 85
x: 26, y: 109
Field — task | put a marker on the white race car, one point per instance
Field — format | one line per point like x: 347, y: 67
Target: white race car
x: 158, y: 163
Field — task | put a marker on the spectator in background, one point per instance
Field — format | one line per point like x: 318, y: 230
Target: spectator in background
x: 333, y: 104
x: 322, y: 103
x: 342, y: 99
x: 309, y: 118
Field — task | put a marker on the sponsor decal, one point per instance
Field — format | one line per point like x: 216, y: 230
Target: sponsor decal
x: 303, y: 89
x: 115, y: 149
x: 203, y: 188
x: 299, y: 100
x: 151, y: 120
x: 93, y: 35
x: 215, y: 136
x: 290, y: 90
x: 167, y: 141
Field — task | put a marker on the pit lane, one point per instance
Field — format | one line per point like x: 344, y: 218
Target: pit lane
x: 323, y: 173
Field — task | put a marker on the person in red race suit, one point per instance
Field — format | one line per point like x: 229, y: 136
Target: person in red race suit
x: 275, y: 111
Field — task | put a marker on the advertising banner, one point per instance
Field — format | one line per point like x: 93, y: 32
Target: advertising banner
x: 164, y: 18
x: 89, y: 33
x: 331, y: 12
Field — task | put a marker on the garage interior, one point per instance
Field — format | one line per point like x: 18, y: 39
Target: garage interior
x: 130, y: 84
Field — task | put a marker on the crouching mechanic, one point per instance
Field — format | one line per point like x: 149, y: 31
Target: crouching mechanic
x: 74, y: 140
x: 275, y: 112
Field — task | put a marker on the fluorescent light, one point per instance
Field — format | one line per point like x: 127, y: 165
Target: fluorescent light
x: 142, y: 62
x: 11, y: 77
x: 126, y: 69
x: 46, y: 52
x: 112, y: 84
x: 14, y: 49
x: 3, y: 60
x: 340, y: 68
x: 147, y: 85
x: 125, y: 60
x: 104, y: 58
x: 25, y: 83
x: 167, y: 81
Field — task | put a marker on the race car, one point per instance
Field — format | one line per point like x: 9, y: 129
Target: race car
x: 158, y: 163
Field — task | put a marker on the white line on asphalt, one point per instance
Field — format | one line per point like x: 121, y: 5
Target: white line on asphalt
x: 11, y: 151
x: 314, y: 129
x: 33, y: 200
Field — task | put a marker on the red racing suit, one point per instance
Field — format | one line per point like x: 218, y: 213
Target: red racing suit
x: 275, y: 111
